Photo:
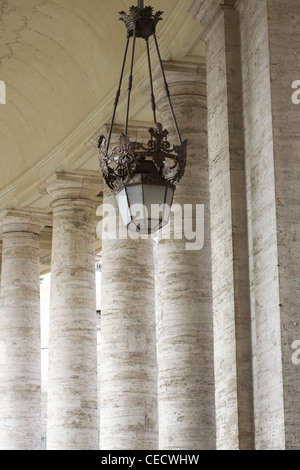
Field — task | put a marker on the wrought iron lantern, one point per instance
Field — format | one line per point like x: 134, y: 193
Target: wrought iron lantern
x: 142, y: 176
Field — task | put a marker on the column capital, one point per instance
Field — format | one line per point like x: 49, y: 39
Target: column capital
x: 188, y: 70
x: 63, y: 185
x: 23, y: 221
x: 184, y: 79
x: 204, y: 12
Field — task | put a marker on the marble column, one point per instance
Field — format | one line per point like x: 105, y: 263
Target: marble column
x: 20, y: 347
x: 128, y: 390
x: 230, y: 265
x: 184, y: 289
x: 251, y: 50
x: 269, y: 45
x: 72, y: 376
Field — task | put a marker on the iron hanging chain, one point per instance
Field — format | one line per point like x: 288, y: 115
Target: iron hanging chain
x: 153, y: 104
x: 117, y: 95
x: 130, y: 81
x: 167, y: 91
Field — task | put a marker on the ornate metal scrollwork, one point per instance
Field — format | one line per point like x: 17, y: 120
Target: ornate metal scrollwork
x: 120, y: 163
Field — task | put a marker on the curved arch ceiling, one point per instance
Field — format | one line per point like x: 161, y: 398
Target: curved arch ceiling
x: 60, y: 60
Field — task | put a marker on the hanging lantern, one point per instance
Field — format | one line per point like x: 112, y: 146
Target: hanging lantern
x: 142, y: 176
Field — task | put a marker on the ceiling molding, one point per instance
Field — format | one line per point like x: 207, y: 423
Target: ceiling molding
x: 177, y: 37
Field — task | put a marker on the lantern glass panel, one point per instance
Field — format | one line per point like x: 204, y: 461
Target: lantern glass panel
x: 135, y: 194
x: 145, y: 208
x: 154, y: 195
x: 170, y: 195
x: 122, y: 202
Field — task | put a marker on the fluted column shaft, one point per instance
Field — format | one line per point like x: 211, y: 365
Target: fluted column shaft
x: 185, y: 341
x: 20, y: 347
x: 72, y: 376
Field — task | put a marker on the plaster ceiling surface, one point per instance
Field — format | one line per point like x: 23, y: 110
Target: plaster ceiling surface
x: 60, y: 61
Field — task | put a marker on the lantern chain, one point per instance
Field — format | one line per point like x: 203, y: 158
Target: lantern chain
x: 117, y: 94
x: 130, y: 81
x: 153, y: 105
x: 167, y: 90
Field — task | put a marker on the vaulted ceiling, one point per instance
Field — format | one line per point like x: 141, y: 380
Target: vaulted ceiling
x: 60, y: 61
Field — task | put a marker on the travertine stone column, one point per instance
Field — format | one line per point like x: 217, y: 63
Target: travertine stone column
x: 230, y: 267
x: 269, y: 44
x: 20, y: 347
x: 128, y: 391
x: 185, y: 341
x: 72, y: 377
